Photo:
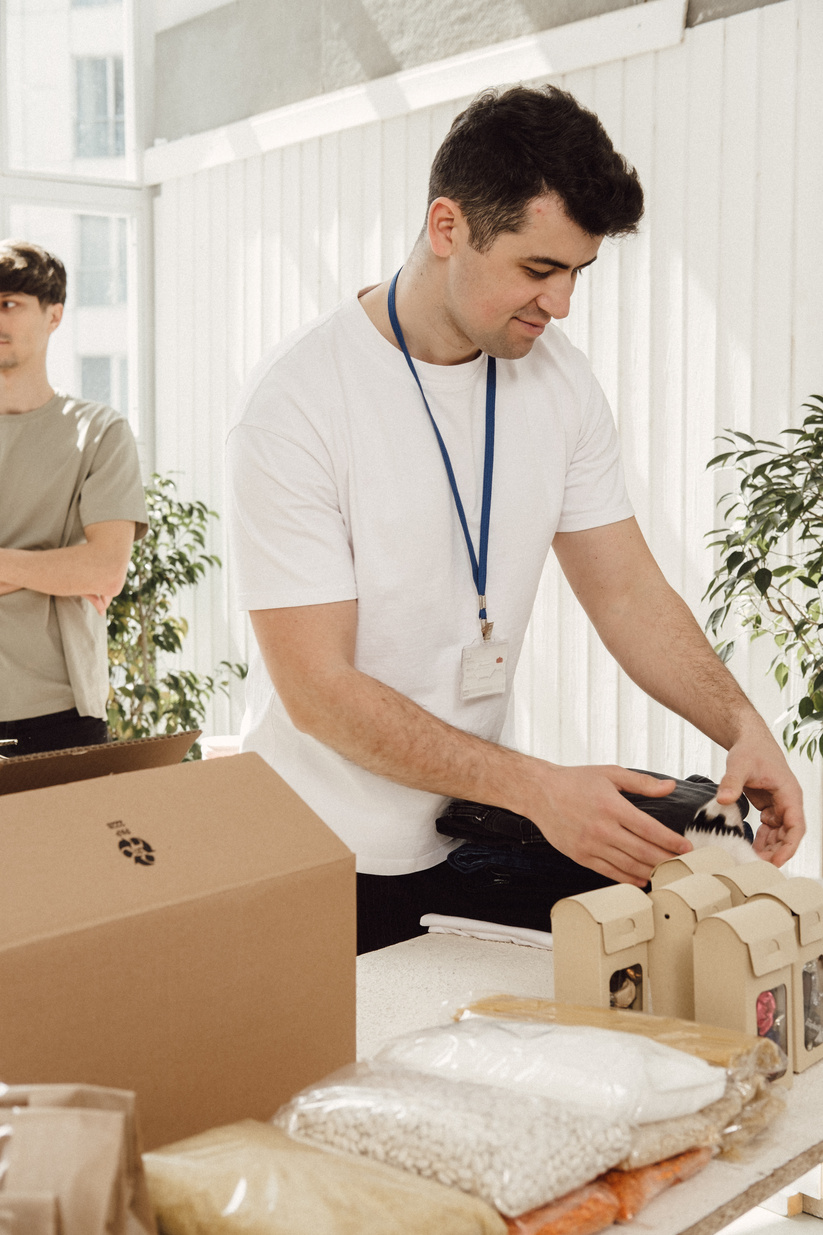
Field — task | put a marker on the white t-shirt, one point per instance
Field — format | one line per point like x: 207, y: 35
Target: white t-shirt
x: 338, y: 492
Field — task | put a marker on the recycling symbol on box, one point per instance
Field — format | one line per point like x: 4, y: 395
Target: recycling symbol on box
x: 140, y: 850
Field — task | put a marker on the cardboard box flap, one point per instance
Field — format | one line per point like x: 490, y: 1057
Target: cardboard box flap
x: 624, y: 913
x: 19, y: 773
x: 145, y: 840
x: 804, y: 897
x: 767, y: 930
x: 704, y: 894
x: 706, y: 861
x: 753, y: 877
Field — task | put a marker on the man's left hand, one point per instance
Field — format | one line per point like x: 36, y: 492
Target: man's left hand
x: 101, y: 603
x: 756, y: 766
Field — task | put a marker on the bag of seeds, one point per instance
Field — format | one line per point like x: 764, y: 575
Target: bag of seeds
x: 249, y: 1178
x: 514, y: 1150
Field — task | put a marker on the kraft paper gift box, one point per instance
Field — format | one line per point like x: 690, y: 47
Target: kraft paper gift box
x: 743, y: 967
x: 746, y: 881
x: 678, y: 907
x: 601, y: 948
x: 804, y: 900
x: 708, y: 861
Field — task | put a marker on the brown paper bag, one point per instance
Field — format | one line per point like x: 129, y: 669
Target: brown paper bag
x: 29, y: 1215
x: 81, y: 1144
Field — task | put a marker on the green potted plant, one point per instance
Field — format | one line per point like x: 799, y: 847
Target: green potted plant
x: 143, y: 701
x: 771, y: 562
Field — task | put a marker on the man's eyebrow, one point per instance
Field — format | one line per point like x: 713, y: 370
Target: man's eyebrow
x: 551, y: 261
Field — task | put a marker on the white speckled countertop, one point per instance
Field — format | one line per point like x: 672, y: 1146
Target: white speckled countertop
x: 417, y: 983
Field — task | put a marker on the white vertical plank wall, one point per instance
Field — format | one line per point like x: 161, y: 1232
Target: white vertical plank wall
x: 708, y: 319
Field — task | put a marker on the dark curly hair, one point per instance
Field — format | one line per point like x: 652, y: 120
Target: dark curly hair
x: 507, y: 148
x: 26, y: 268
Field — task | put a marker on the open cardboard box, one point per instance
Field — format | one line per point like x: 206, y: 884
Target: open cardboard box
x: 59, y: 767
x: 187, y: 932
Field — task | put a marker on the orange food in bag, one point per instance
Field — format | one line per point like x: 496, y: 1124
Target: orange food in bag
x: 634, y: 1189
x: 584, y: 1211
x: 617, y: 1196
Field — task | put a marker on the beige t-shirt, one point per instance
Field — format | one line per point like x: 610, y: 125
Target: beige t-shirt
x: 63, y: 466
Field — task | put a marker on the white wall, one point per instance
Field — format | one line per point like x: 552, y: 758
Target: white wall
x: 709, y: 319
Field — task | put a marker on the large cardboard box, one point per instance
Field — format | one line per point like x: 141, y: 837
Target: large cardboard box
x: 186, y: 932
x: 59, y: 767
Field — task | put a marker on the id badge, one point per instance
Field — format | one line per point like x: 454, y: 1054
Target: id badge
x: 483, y: 669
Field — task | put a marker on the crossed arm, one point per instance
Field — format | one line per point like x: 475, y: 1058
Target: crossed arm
x: 95, y: 569
x: 309, y: 653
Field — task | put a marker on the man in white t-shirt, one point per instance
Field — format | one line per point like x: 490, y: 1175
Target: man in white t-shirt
x: 71, y: 501
x: 400, y: 470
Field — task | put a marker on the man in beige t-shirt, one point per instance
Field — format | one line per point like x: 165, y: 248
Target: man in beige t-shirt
x: 71, y: 503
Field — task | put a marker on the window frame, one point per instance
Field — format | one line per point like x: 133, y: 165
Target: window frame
x: 98, y: 195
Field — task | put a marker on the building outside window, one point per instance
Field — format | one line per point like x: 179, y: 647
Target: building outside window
x: 104, y: 379
x: 101, y: 270
x: 69, y: 106
x: 99, y: 130
x: 69, y: 158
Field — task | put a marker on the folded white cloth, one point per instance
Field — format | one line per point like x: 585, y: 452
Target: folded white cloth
x: 442, y: 924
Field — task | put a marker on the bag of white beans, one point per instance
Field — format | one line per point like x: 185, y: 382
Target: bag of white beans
x: 514, y: 1150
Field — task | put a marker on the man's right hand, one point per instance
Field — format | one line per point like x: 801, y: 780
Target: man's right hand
x: 310, y: 653
x: 580, y: 810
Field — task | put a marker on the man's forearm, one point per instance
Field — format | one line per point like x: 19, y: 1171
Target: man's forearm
x: 661, y: 647
x: 95, y: 567
x: 385, y: 732
x: 73, y: 571
x: 579, y: 810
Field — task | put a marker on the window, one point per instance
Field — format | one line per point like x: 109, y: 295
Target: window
x: 101, y: 268
x: 69, y: 159
x: 95, y: 378
x: 65, y: 72
x: 100, y: 113
x: 105, y: 380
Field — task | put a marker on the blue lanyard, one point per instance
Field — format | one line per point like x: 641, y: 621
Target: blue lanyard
x: 478, y: 567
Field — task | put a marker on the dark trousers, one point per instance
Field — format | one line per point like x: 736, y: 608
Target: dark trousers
x: 389, y: 907
x: 55, y: 731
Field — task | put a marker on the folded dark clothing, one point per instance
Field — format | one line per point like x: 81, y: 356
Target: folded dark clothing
x: 492, y: 825
x: 474, y: 857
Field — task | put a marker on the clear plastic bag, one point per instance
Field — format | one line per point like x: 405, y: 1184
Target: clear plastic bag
x: 741, y: 1054
x: 635, y: 1189
x: 516, y: 1151
x: 250, y: 1178
x: 619, y: 1075
x: 585, y: 1211
x: 747, y: 1107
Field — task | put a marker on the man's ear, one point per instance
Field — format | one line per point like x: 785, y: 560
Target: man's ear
x: 55, y: 316
x: 446, y: 226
